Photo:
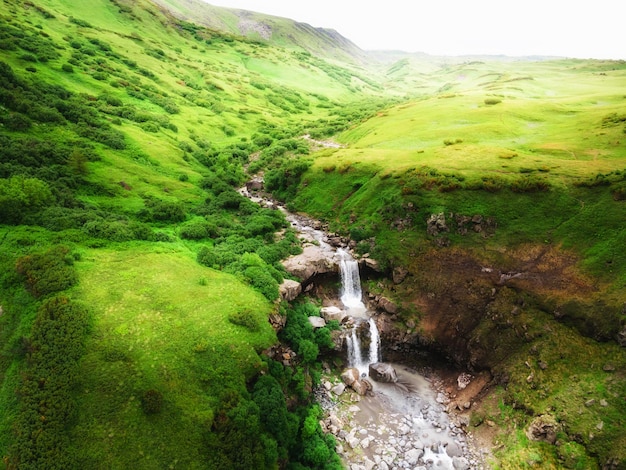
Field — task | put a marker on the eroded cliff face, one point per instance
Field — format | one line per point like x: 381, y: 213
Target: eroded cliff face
x: 477, y: 308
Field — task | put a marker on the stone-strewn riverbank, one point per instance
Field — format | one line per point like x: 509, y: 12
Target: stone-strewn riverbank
x: 398, y: 426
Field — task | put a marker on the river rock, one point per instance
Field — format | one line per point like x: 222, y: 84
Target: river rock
x: 312, y: 261
x: 382, y: 372
x: 317, y: 322
x: 332, y: 313
x: 290, y: 289
x: 349, y: 376
x: 338, y: 389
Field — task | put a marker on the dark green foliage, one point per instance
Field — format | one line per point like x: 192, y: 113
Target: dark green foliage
x: 299, y: 332
x: 46, y: 405
x: 245, y: 318
x: 165, y: 211
x: 20, y: 196
x: 263, y: 281
x: 236, y: 437
x: 48, y: 272
x: 198, y: 229
x: 283, y: 181
x: 152, y: 401
x: 276, y: 420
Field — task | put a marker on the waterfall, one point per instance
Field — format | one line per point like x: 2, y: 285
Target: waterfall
x: 351, y: 295
x: 350, y: 281
x: 355, y: 358
x: 374, y: 342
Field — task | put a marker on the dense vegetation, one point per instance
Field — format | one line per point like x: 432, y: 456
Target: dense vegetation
x: 137, y: 281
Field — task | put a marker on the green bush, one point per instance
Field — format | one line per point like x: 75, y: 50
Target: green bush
x: 263, y: 281
x: 46, y: 407
x: 197, y: 230
x: 48, y: 272
x: 152, y: 402
x: 245, y: 318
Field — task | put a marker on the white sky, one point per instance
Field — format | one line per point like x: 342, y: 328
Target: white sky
x: 570, y: 28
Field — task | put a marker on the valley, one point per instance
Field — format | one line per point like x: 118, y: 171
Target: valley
x: 141, y: 317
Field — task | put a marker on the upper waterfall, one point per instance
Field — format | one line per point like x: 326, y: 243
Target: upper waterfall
x: 351, y: 295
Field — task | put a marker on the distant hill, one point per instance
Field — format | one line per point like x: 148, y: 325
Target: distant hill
x: 275, y: 30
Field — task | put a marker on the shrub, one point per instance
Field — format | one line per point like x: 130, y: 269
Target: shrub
x: 245, y: 318
x: 197, y: 230
x: 67, y: 68
x: 492, y: 101
x: 48, y: 272
x: 263, y: 281
x: 152, y: 401
x: 56, y: 344
x: 166, y: 211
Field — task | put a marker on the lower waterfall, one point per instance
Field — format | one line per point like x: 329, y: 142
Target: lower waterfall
x: 351, y: 297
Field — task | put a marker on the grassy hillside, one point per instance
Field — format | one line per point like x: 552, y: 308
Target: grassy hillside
x: 124, y: 133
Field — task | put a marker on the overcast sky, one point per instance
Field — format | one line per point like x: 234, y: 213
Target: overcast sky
x: 570, y: 28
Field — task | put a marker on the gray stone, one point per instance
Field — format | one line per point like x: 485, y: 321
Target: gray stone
x: 332, y: 313
x: 412, y: 456
x: 382, y: 372
x: 338, y: 389
x: 543, y: 428
x: 460, y: 463
x: 317, y: 322
x: 290, y: 289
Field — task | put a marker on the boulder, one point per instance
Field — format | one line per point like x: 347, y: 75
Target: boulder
x: 543, y: 428
x: 349, y: 376
x: 362, y: 386
x: 338, y: 389
x: 372, y: 264
x: 382, y: 372
x: 332, y: 313
x: 290, y: 289
x: 436, y: 224
x: 317, y: 322
x: 312, y: 261
x: 387, y: 305
x: 399, y: 274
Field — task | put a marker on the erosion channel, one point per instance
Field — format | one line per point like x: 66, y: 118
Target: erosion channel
x: 386, y: 413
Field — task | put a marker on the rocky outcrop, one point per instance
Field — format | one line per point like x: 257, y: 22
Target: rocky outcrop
x: 311, y: 262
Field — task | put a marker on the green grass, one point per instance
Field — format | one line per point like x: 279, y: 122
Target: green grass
x: 161, y: 322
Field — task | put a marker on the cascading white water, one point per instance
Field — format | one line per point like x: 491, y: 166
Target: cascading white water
x: 355, y: 358
x: 374, y: 342
x: 350, y: 281
x: 351, y: 297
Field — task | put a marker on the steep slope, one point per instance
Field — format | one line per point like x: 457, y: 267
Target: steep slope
x: 136, y: 282
x: 284, y: 32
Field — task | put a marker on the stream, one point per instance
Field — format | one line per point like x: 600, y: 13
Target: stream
x: 399, y: 424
